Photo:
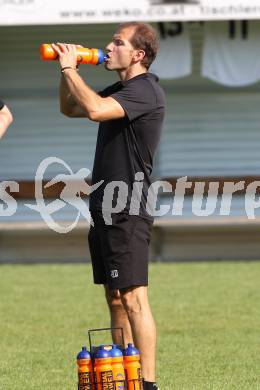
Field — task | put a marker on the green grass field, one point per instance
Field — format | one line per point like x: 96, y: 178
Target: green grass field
x: 208, y: 318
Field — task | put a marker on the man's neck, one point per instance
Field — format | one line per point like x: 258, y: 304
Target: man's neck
x: 129, y: 73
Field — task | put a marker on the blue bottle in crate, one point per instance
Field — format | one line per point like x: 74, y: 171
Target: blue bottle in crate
x: 84, y: 370
x: 118, y: 368
x: 103, y: 369
x: 133, y: 368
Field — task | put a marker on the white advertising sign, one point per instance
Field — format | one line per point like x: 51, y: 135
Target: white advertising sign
x: 33, y: 12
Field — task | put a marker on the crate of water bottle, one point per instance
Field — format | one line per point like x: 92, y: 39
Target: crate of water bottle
x: 109, y: 367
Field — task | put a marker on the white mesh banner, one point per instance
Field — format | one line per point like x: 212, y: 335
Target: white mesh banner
x: 23, y: 12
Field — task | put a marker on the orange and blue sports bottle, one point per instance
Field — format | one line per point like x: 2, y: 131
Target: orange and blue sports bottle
x: 132, y: 367
x: 103, y: 369
x: 85, y: 55
x: 84, y: 370
x: 118, y: 368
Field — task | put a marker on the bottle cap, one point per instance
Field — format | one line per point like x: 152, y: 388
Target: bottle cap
x: 101, y: 56
x: 115, y: 351
x: 102, y: 353
x: 130, y: 350
x: 83, y: 354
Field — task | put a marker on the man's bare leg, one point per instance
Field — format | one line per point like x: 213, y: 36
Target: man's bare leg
x: 119, y: 317
x: 135, y: 301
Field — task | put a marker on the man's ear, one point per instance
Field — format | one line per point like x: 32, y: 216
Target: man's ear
x: 139, y: 56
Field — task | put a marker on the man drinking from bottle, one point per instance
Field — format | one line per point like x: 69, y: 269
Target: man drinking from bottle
x: 130, y: 115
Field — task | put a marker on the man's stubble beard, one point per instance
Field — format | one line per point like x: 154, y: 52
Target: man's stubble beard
x: 113, y: 68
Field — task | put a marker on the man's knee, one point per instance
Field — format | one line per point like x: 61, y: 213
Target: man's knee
x: 133, y: 300
x: 113, y: 298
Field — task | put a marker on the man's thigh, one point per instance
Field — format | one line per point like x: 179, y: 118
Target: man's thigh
x: 121, y: 258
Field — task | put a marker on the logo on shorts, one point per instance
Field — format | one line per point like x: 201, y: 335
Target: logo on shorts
x: 114, y: 273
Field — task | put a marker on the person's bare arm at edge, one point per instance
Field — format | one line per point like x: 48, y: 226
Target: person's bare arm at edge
x: 77, y: 99
x: 6, y: 119
x: 68, y: 105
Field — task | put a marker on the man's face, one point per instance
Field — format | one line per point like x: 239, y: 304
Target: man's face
x: 120, y: 50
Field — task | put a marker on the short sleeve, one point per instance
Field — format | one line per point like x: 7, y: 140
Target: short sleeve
x: 137, y: 98
x: 110, y: 89
x: 1, y: 104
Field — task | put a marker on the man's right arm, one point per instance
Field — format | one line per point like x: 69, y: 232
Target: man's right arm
x: 68, y: 106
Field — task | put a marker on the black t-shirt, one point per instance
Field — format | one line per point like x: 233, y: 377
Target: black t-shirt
x: 126, y: 146
x: 1, y: 104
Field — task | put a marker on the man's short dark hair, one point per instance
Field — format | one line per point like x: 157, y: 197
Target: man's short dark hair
x: 144, y: 38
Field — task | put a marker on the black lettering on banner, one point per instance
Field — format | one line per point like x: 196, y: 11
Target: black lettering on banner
x: 16, y: 2
x: 244, y: 29
x: 232, y: 29
x: 175, y: 28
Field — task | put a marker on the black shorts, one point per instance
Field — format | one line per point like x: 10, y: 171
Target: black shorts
x: 120, y: 252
